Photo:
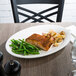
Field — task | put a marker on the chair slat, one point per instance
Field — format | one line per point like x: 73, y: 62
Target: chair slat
x: 37, y: 1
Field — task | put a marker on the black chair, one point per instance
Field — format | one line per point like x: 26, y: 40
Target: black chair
x: 16, y: 13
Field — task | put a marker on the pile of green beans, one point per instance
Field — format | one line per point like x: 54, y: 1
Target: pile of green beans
x: 22, y: 47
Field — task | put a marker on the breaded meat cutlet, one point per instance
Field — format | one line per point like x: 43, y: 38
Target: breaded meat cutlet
x: 39, y: 41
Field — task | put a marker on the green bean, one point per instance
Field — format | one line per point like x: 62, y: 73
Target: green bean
x: 22, y: 47
x: 17, y: 52
x: 26, y: 50
x: 25, y: 53
x: 12, y: 45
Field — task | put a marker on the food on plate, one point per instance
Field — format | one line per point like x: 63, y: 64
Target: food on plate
x: 39, y: 41
x: 35, y: 42
x: 45, y: 40
x: 55, y: 38
x: 22, y: 47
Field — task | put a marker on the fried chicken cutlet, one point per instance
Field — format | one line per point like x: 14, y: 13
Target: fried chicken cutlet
x: 39, y: 41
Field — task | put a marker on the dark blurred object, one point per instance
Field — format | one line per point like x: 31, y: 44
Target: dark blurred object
x: 1, y: 58
x: 2, y: 73
x: 1, y: 68
x: 12, y: 68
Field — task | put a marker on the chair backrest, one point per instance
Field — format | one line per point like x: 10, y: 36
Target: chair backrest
x: 16, y: 13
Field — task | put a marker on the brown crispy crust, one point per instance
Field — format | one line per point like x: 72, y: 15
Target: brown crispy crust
x: 40, y: 41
